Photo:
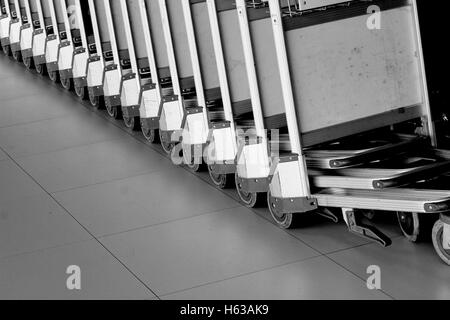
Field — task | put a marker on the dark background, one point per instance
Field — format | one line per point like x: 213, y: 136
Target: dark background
x: 434, y: 18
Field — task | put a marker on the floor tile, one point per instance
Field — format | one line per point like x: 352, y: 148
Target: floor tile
x: 15, y: 184
x: 187, y: 253
x: 326, y: 236
x: 27, y: 109
x: 145, y: 200
x: 94, y: 163
x: 317, y: 278
x: 56, y: 134
x: 16, y: 86
x: 408, y: 271
x: 34, y: 223
x: 42, y: 275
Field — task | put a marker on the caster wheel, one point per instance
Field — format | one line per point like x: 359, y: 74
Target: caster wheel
x: 40, y: 69
x: 150, y: 134
x: 283, y: 220
x: 66, y: 83
x: 114, y: 112
x: 17, y: 55
x: 410, y: 225
x: 80, y: 92
x: 7, y: 50
x: 221, y: 181
x: 249, y: 199
x: 28, y: 62
x: 95, y: 101
x: 131, y: 123
x: 437, y: 236
x: 53, y: 76
x: 195, y: 165
x: 167, y: 146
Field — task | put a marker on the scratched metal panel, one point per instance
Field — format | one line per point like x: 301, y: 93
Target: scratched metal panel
x: 267, y: 70
x: 137, y: 27
x: 234, y: 55
x: 342, y: 71
x: 205, y: 46
x: 179, y: 38
x: 118, y: 25
x: 100, y: 10
x: 159, y: 44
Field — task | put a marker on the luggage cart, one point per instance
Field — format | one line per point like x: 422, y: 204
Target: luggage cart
x: 81, y: 32
x: 113, y: 64
x: 171, y: 115
x: 222, y: 143
x: 238, y: 85
x: 377, y: 173
x: 152, y: 94
x: 140, y: 71
x: 26, y: 32
x: 60, y: 24
x: 66, y: 14
x: 15, y: 29
x: 100, y: 50
x: 122, y: 64
x: 47, y: 26
x: 8, y: 14
x: 195, y: 124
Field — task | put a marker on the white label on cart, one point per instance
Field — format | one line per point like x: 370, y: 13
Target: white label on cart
x: 446, y: 237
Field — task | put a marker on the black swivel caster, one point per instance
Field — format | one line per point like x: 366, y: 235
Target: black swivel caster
x: 249, y: 199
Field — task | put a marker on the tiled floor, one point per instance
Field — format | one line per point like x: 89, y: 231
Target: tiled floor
x: 76, y: 188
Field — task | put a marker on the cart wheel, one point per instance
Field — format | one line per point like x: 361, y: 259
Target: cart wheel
x: 150, y: 134
x: 221, y: 181
x: 28, y: 62
x: 66, y: 83
x: 40, y: 69
x: 114, y: 112
x: 195, y: 165
x: 17, y: 55
x: 410, y: 225
x: 131, y: 122
x: 437, y: 235
x: 7, y: 50
x: 94, y: 100
x: 167, y: 146
x: 53, y: 76
x: 249, y: 199
x: 80, y: 92
x: 283, y: 220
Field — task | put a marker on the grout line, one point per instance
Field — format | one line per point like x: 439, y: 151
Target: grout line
x: 242, y: 275
x: 132, y: 176
x: 85, y: 228
x: 165, y: 222
x: 62, y: 245
x: 25, y: 156
x: 32, y: 122
x: 356, y: 275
